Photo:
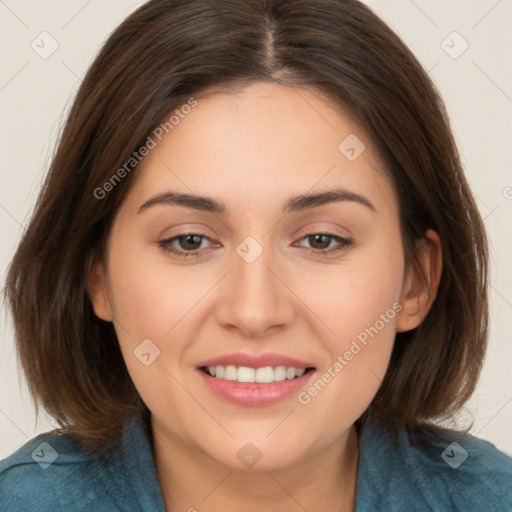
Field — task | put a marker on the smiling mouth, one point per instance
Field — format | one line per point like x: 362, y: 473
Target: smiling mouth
x: 262, y: 375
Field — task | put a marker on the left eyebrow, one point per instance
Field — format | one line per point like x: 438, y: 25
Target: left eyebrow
x: 295, y: 204
x: 304, y: 202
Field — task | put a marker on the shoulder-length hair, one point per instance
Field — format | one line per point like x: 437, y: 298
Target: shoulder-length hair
x: 161, y: 56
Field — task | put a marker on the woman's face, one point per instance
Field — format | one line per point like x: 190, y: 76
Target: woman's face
x: 252, y: 280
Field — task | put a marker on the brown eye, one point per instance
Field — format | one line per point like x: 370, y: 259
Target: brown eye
x: 186, y: 245
x: 189, y: 242
x: 321, y: 243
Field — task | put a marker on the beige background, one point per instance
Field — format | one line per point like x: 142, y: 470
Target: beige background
x: 476, y: 84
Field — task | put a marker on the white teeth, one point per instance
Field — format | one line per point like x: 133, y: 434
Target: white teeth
x: 280, y: 373
x: 230, y: 372
x: 219, y: 372
x: 264, y: 375
x: 246, y: 374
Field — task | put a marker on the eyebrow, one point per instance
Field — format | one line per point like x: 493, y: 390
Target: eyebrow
x: 294, y: 204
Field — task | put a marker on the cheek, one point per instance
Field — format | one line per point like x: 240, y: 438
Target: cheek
x: 151, y: 302
x: 359, y: 305
x: 151, y: 297
x: 356, y: 295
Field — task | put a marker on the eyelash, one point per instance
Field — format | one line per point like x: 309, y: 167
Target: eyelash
x: 166, y: 245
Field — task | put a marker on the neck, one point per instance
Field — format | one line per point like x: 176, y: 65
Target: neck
x: 192, y: 481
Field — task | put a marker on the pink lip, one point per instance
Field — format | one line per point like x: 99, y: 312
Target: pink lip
x: 255, y: 361
x: 255, y: 394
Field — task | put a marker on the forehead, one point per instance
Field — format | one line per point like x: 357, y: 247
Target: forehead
x: 260, y: 144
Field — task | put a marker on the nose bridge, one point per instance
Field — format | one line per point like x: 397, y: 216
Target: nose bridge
x: 255, y: 299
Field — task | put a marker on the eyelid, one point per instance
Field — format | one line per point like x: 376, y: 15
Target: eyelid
x: 343, y: 244
x: 191, y: 228
x: 331, y: 228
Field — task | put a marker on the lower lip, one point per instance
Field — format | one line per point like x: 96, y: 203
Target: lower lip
x: 255, y: 394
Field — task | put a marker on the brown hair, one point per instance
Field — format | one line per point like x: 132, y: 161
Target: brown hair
x: 162, y: 55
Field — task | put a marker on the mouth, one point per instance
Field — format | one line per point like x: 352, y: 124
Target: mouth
x: 261, y: 375
x: 254, y: 380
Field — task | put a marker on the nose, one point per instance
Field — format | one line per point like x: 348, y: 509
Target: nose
x: 256, y: 298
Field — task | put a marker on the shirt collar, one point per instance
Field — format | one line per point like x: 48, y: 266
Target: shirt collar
x: 140, y: 464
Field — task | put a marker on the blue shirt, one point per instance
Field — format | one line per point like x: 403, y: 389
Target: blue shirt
x: 51, y: 473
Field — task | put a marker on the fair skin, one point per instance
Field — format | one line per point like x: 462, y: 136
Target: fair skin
x: 253, y: 150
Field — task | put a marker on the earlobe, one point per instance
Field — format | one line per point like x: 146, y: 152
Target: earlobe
x: 421, y: 284
x: 97, y: 292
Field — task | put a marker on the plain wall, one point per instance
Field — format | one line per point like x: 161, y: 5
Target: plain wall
x: 476, y: 85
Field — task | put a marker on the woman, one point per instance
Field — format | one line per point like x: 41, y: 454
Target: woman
x: 255, y: 277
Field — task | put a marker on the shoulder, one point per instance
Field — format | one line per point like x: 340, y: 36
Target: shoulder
x: 52, y: 473
x: 459, y: 472
x: 470, y: 473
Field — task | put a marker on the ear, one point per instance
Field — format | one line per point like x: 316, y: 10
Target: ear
x: 421, y: 284
x: 98, y: 293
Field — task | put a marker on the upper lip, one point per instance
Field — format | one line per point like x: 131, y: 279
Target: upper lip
x: 255, y: 360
